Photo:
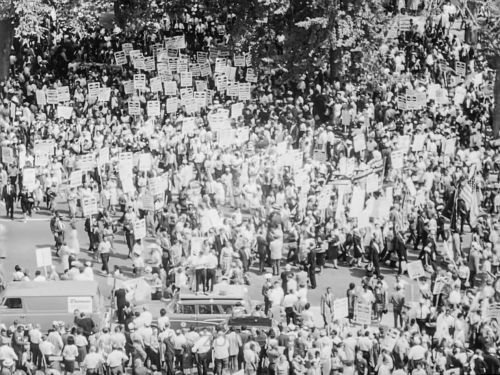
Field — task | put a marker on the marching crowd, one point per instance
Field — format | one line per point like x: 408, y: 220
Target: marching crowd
x: 317, y: 173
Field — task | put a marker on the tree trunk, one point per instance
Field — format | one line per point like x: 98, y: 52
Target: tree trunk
x: 496, y: 95
x: 6, y: 35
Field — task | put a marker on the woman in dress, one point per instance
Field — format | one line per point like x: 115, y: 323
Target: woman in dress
x: 69, y: 354
x: 72, y: 241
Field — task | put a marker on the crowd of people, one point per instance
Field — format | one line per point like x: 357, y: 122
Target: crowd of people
x: 207, y: 166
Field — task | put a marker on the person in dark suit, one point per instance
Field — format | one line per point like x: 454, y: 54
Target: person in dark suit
x: 9, y: 196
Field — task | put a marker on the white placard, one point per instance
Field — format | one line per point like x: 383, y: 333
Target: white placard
x: 415, y: 269
x: 43, y: 257
x: 340, y: 308
x: 153, y: 108
x: 63, y: 95
x: 186, y: 79
x: 75, y: 179
x: 93, y: 88
x: 64, y: 112
x: 244, y: 91
x: 120, y: 58
x: 170, y: 88
x: 40, y: 97
x: 372, y: 183
x: 155, y: 84
x: 104, y: 155
x: 139, y: 229
x: 397, y: 158
x: 362, y: 313
x: 172, y: 105
x: 134, y: 107
x: 29, y: 178
x: 145, y: 162
x: 139, y: 82
x: 359, y: 142
x: 89, y: 206
x: 7, y: 155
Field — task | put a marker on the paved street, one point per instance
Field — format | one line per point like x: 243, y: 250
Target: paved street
x: 22, y: 238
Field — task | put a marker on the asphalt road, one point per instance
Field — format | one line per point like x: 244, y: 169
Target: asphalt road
x: 22, y: 238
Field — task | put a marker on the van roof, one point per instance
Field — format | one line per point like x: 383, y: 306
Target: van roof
x: 50, y: 288
x: 221, y: 292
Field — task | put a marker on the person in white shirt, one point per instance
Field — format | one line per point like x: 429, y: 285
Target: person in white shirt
x: 289, y: 303
x: 115, y: 361
x: 39, y: 277
x: 163, y: 320
x: 200, y: 266
x: 211, y: 264
x: 93, y: 361
x: 221, y: 352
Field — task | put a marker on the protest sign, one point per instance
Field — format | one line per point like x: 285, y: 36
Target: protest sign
x: 460, y: 69
x: 89, y: 206
x: 86, y: 162
x: 139, y: 229
x: 251, y: 76
x: 41, y: 159
x: 149, y: 64
x: 40, y: 97
x: 7, y: 155
x: 93, y: 89
x: 145, y: 162
x: 359, y: 142
x: 186, y: 79
x: 43, y: 257
x: 75, y: 179
x: 449, y: 146
x: 372, y: 183
x: 244, y: 91
x: 340, y: 308
x: 362, y: 313
x: 418, y: 142
x: 140, y: 82
x: 239, y: 60
x: 134, y: 107
x: 155, y: 84
x: 411, y: 187
x: 415, y: 269
x: 104, y: 94
x: 29, y: 178
x: 127, y: 48
x: 357, y: 201
x: 153, y: 108
x: 128, y: 87
x: 64, y: 112
x: 103, y: 156
x: 172, y: 105
x: 232, y: 89
x: 51, y: 96
x: 63, y: 95
x: 397, y: 158
x: 148, y: 202
x: 120, y: 58
x: 170, y: 88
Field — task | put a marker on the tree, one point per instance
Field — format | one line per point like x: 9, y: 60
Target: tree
x: 19, y: 18
x: 488, y: 26
x: 297, y: 35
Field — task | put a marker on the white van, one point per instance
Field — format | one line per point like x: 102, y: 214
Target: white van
x: 43, y: 303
